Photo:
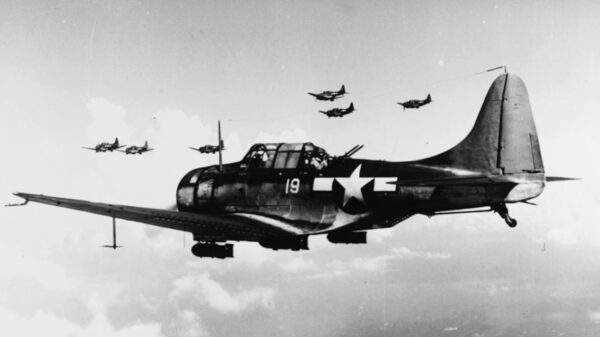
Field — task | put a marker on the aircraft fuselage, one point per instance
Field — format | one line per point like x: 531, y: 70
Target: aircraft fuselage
x: 351, y: 193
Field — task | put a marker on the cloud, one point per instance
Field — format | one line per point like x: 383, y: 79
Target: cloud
x: 50, y: 274
x: 381, y: 262
x: 594, y: 317
x: 189, y: 325
x: 43, y: 324
x: 497, y: 289
x: 379, y: 235
x: 405, y: 252
x: 203, y: 288
x: 297, y: 265
x: 561, y: 236
x: 377, y: 263
x: 108, y: 121
x: 289, y: 136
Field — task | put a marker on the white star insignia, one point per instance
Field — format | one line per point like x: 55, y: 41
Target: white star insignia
x: 353, y: 185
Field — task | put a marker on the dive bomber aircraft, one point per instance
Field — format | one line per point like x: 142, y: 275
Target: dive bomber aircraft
x: 280, y: 194
x: 329, y: 95
x: 339, y: 112
x: 415, y: 103
x: 209, y: 148
x: 137, y: 149
x: 104, y: 147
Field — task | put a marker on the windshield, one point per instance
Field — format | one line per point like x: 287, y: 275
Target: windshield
x: 284, y: 156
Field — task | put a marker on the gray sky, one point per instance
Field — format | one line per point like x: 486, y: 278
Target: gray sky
x: 77, y: 73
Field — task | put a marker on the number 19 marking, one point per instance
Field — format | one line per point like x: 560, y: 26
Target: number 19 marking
x: 292, y: 186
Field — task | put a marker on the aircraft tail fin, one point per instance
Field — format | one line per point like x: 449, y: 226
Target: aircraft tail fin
x: 351, y: 107
x: 503, y: 140
x: 343, y: 89
x: 428, y: 99
x: 117, y: 141
x: 146, y: 144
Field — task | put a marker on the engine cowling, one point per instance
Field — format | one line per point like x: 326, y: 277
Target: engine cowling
x: 195, y: 190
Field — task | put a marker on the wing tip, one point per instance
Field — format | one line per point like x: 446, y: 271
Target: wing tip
x: 24, y: 196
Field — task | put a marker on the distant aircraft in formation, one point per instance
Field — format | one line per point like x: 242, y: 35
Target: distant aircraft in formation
x: 106, y: 147
x: 214, y: 148
x: 280, y: 194
x: 338, y: 112
x: 209, y: 148
x: 329, y: 95
x: 137, y: 149
x: 415, y: 103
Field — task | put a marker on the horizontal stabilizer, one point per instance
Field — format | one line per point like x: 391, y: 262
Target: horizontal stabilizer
x: 553, y: 179
x: 453, y: 180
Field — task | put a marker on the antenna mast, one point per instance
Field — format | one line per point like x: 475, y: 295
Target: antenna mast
x: 220, y: 148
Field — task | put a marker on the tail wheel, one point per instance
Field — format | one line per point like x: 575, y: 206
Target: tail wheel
x: 502, y: 210
x: 511, y: 222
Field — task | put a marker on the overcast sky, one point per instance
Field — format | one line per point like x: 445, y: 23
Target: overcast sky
x: 74, y: 74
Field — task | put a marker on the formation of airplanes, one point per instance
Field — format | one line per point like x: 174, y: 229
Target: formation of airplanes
x: 134, y: 149
x: 331, y: 96
x: 416, y: 103
x: 341, y: 112
x: 280, y: 194
x: 110, y: 147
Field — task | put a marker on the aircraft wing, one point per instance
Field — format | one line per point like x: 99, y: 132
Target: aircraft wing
x: 224, y: 226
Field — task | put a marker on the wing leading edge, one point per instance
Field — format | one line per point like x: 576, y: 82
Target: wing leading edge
x: 216, y: 227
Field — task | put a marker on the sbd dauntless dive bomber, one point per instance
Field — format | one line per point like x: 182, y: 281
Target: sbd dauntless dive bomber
x: 280, y: 194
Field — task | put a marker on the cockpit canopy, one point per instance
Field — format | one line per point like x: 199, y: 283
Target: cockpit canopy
x: 284, y: 156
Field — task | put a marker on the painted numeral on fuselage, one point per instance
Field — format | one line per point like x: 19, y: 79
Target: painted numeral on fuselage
x: 292, y: 186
